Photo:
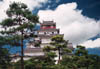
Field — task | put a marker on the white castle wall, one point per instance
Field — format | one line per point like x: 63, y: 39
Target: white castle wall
x: 34, y: 54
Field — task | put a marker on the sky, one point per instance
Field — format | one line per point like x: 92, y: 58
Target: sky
x: 78, y: 20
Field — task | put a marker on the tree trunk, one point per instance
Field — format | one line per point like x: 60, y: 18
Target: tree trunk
x: 87, y: 67
x: 59, y: 55
x: 22, y: 52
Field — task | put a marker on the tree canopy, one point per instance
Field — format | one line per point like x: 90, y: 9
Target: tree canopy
x: 18, y: 26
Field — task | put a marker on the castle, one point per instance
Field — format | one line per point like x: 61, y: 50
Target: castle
x: 44, y: 34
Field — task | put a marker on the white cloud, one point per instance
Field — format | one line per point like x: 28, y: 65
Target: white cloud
x: 92, y: 43
x: 31, y: 4
x: 76, y: 27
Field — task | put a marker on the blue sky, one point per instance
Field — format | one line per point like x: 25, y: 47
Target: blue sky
x: 78, y: 20
x: 90, y: 8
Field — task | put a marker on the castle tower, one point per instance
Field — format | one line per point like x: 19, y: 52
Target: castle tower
x: 46, y: 32
x: 44, y: 35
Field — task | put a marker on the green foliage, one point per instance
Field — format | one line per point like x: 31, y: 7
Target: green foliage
x: 60, y: 45
x: 19, y: 24
x: 58, y: 38
x: 4, y: 58
x: 30, y: 65
x: 19, y: 21
x: 80, y: 50
x: 37, y: 43
x: 21, y: 9
x: 51, y: 55
x: 83, y: 62
x: 37, y: 63
x: 7, y: 22
x: 67, y: 62
x: 4, y: 54
x: 58, y: 41
x: 66, y: 50
x: 48, y: 48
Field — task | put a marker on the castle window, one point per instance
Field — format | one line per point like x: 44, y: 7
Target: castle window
x: 41, y: 32
x: 52, y: 32
x: 45, y: 33
x: 52, y: 26
x: 55, y: 33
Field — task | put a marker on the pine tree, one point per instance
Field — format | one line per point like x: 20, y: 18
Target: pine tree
x: 18, y: 26
x: 4, y: 55
x: 59, y: 43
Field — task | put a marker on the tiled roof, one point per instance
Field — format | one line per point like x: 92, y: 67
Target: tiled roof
x: 48, y: 23
x: 33, y: 50
x: 52, y: 30
x: 48, y: 36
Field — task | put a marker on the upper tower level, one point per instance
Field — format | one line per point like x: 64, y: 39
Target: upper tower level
x: 48, y: 25
x: 47, y: 28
